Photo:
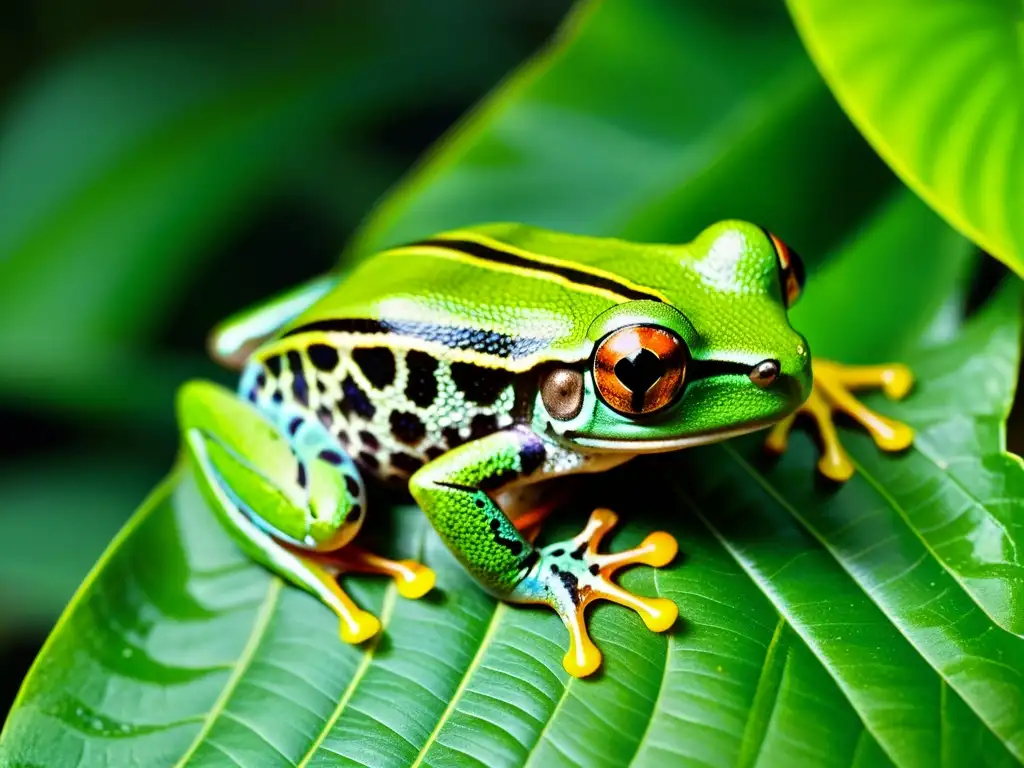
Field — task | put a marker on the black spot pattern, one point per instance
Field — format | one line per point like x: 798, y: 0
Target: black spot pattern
x: 480, y: 385
x: 407, y: 427
x: 403, y: 462
x: 369, y: 441
x: 572, y: 585
x: 343, y: 438
x: 261, y: 380
x: 482, y: 425
x: 377, y: 365
x: 300, y: 476
x: 331, y: 457
x: 299, y: 387
x: 325, y: 416
x: 434, y: 451
x: 452, y: 438
x: 531, y: 455
x: 273, y: 365
x: 293, y: 426
x: 322, y: 356
x: 355, y: 514
x: 354, y: 400
x: 368, y: 460
x: 421, y: 388
x: 530, y: 560
x: 352, y: 486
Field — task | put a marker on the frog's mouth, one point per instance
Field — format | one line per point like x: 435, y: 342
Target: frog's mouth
x: 666, y: 445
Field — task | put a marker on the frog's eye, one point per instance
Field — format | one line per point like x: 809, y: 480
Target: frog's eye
x: 640, y: 369
x: 791, y: 270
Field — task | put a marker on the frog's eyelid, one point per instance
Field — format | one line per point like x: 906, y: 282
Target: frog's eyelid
x: 791, y: 269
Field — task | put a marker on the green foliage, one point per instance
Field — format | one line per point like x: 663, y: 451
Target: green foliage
x: 877, y: 623
x: 936, y: 89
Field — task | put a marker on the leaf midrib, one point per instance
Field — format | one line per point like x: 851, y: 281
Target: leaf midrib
x: 485, y: 643
x: 256, y: 635
x: 386, y: 611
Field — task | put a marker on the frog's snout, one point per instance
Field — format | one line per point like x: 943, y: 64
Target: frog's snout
x: 800, y: 377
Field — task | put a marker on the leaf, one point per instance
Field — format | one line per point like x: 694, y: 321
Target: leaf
x: 935, y: 87
x: 819, y: 626
x: 600, y: 135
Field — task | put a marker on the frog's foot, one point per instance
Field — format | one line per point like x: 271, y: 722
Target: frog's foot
x: 413, y: 580
x: 569, y: 575
x: 356, y: 624
x: 832, y: 392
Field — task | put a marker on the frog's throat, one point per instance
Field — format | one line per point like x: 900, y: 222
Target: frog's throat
x: 663, y: 446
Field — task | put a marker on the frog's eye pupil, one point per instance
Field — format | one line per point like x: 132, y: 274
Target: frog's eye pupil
x: 640, y: 369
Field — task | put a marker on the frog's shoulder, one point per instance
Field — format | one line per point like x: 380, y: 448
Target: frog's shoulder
x: 499, y: 295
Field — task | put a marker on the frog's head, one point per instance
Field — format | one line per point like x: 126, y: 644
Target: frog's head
x: 719, y: 359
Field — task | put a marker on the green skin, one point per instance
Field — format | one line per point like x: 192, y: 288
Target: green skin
x: 424, y: 366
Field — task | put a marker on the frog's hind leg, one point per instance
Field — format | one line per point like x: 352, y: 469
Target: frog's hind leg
x: 263, y: 494
x: 832, y: 392
x: 233, y: 340
x: 455, y: 493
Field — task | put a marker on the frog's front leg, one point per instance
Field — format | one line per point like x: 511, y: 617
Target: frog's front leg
x: 289, y: 502
x: 454, y: 492
x: 834, y: 385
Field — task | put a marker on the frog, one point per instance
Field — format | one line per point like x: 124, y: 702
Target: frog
x: 482, y: 366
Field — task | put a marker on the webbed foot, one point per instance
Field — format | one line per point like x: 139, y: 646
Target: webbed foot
x: 833, y: 389
x: 569, y: 575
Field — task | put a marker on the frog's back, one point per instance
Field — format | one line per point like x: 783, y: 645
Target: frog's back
x: 476, y: 295
x: 427, y: 346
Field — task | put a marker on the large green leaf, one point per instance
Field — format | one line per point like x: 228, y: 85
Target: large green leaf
x: 827, y: 628
x: 936, y: 88
x: 862, y: 626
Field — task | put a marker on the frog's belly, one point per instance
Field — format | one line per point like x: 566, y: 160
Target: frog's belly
x: 392, y: 410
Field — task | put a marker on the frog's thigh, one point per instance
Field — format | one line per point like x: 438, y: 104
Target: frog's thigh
x: 241, y: 459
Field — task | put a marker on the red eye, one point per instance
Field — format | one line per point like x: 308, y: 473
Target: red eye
x: 791, y: 270
x: 639, y: 369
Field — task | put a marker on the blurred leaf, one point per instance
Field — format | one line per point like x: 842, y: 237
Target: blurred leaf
x: 935, y: 87
x: 122, y: 165
x: 713, y: 115
x: 56, y: 518
x: 860, y: 626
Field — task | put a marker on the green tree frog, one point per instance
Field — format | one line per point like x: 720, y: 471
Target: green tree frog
x: 472, y: 366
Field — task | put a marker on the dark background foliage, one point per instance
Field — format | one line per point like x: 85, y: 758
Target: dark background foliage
x: 96, y: 455
x: 161, y: 167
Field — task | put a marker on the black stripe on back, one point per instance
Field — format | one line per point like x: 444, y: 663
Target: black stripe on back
x: 579, y: 276
x: 476, y: 339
